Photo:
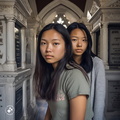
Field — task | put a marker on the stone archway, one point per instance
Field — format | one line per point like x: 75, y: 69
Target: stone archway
x: 70, y: 10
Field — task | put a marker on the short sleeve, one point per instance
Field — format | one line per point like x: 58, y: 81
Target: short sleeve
x: 76, y: 84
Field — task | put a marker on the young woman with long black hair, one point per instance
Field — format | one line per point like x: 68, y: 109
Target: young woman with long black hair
x: 93, y: 65
x: 58, y: 79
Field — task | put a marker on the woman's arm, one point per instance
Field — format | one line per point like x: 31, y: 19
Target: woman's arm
x: 48, y: 114
x: 78, y: 107
x: 100, y: 90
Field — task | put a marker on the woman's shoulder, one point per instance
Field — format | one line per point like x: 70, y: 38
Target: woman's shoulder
x: 97, y: 60
x: 74, y: 78
x: 98, y: 63
x: 73, y: 71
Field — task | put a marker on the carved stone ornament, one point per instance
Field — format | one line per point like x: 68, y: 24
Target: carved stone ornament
x: 6, y: 8
x: 20, y: 17
x: 10, y: 18
x: 15, y: 77
x: 115, y: 5
x: 94, y: 8
x: 112, y: 17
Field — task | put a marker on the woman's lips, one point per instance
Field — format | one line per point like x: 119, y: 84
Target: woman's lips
x: 48, y: 56
x: 78, y: 50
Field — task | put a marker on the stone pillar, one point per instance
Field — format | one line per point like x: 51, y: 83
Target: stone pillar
x: 33, y: 56
x: 23, y: 48
x: 11, y: 63
x: 104, y: 44
x: 25, y: 100
x: 93, y: 42
x: 32, y: 44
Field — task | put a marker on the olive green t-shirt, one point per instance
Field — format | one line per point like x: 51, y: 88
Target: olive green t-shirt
x: 71, y: 84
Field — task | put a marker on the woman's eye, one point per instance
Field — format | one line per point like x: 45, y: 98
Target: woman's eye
x: 56, y: 43
x: 73, y: 39
x: 42, y: 43
x: 85, y: 40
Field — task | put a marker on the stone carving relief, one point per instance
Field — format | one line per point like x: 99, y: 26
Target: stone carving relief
x: 112, y: 17
x: 2, y: 42
x: 94, y: 8
x: 115, y: 5
x: 6, y: 8
x: 9, y: 9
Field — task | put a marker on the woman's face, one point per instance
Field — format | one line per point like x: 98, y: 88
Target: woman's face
x: 52, y: 47
x: 79, y: 42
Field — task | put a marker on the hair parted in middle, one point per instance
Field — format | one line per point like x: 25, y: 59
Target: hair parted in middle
x: 45, y: 77
x: 87, y: 62
x: 46, y: 84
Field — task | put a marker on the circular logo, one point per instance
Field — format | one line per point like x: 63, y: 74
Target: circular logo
x: 9, y: 110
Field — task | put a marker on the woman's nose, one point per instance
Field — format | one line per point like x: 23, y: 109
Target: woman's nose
x: 48, y: 48
x: 79, y: 44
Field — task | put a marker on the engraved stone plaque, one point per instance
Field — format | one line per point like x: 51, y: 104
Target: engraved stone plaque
x: 114, y: 46
x: 113, y: 96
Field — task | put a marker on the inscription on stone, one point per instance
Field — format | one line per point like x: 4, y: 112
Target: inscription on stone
x: 113, y: 96
x: 114, y: 47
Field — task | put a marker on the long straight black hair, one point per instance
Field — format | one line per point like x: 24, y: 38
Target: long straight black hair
x: 45, y: 78
x: 87, y: 62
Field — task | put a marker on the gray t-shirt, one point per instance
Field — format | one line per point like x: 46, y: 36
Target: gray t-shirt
x: 71, y: 84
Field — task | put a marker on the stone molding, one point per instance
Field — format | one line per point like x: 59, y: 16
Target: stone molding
x: 97, y: 24
x: 26, y: 6
x: 109, y: 10
x: 15, y: 77
x: 20, y: 17
x: 111, y: 16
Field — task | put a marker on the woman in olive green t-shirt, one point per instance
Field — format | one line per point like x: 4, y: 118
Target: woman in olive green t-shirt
x: 58, y: 79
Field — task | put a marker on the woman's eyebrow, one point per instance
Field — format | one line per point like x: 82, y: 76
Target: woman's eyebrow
x: 55, y: 39
x: 74, y: 36
x: 42, y: 39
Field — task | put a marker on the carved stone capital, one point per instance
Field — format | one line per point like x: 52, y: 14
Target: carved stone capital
x: 10, y: 18
x: 6, y: 8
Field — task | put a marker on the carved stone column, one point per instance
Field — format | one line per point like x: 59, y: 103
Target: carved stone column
x: 10, y: 40
x: 104, y: 43
x: 25, y: 99
x: 23, y: 48
x: 10, y: 60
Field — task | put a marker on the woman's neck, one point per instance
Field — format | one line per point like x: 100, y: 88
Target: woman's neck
x: 77, y: 59
x: 55, y: 65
